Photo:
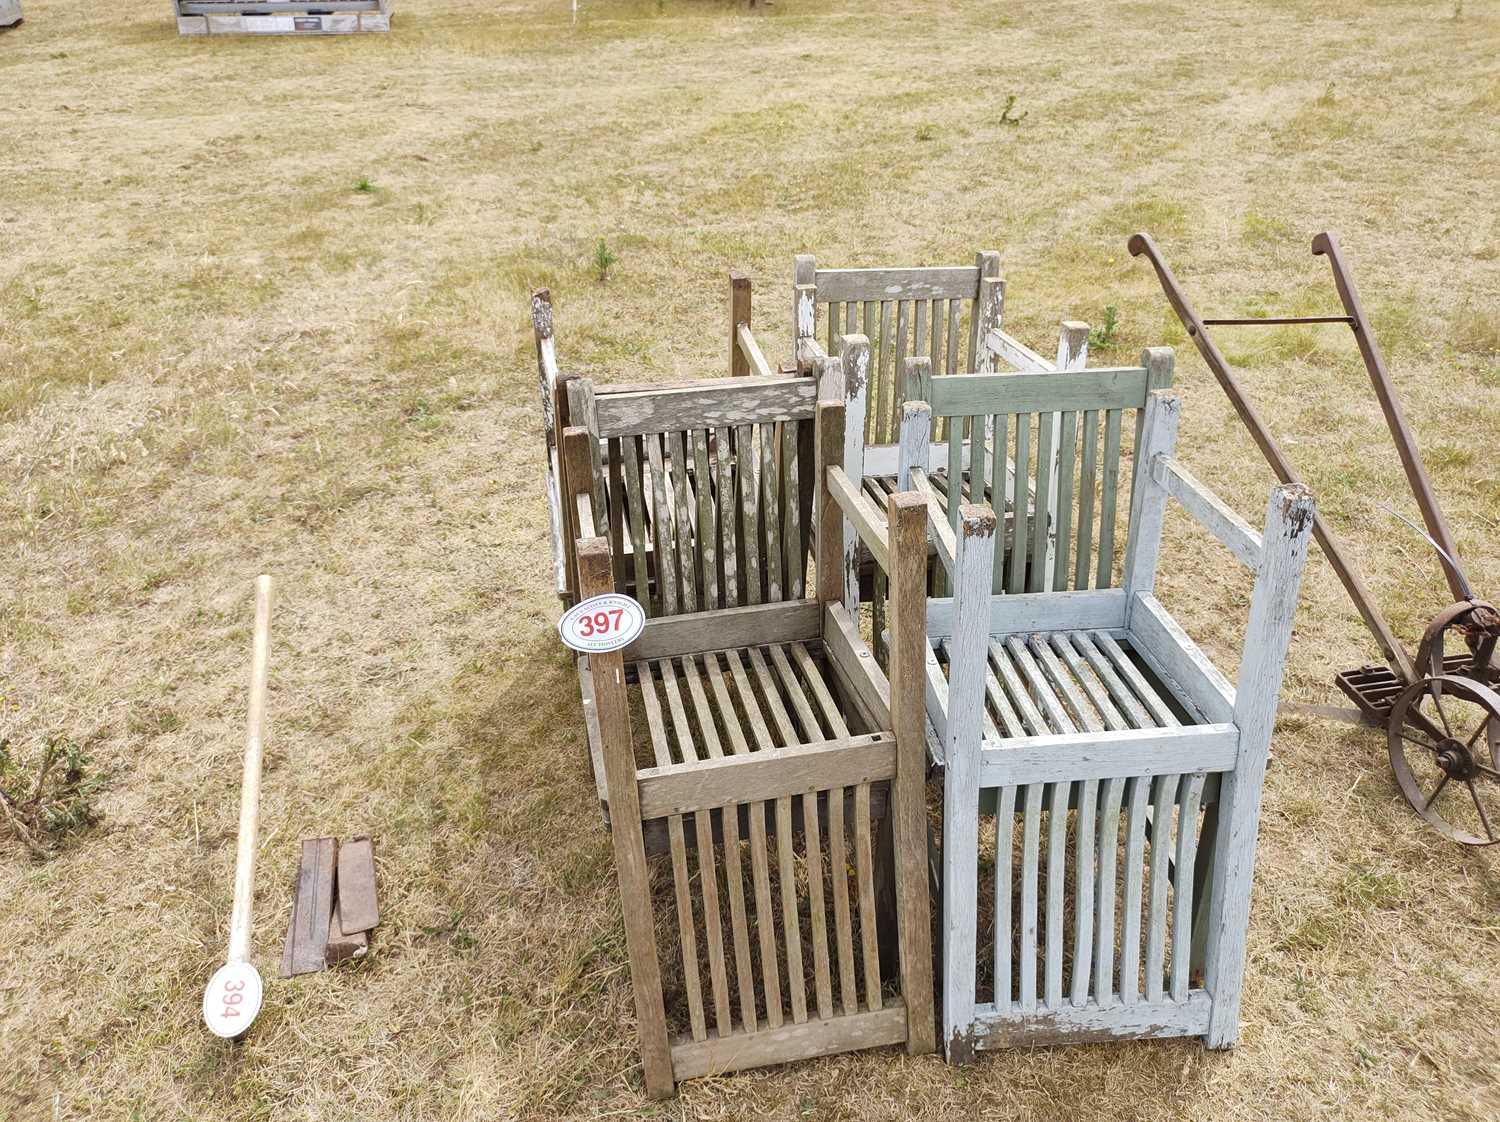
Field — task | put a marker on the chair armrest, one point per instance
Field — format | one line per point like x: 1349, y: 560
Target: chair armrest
x: 1209, y: 510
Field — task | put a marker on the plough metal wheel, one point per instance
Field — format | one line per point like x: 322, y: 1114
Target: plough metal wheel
x: 1444, y: 741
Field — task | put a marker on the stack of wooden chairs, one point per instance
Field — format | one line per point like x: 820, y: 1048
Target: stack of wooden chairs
x: 916, y: 552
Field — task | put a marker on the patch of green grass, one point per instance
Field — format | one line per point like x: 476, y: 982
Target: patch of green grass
x: 1273, y: 346
x: 1476, y: 331
x: 1309, y: 996
x: 223, y: 288
x: 148, y: 719
x: 1319, y: 931
x: 1364, y: 887
x: 418, y: 411
x: 1446, y: 454
x: 1325, y: 119
x: 1396, y: 324
x: 1171, y: 332
x: 1303, y: 810
x: 317, y: 503
x: 364, y: 186
x: 777, y: 123
x: 1264, y: 230
x: 1161, y: 218
x: 1488, y: 99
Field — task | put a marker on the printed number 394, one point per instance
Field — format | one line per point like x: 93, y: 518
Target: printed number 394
x: 232, y: 997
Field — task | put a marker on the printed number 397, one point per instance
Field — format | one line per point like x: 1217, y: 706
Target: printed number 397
x: 600, y: 623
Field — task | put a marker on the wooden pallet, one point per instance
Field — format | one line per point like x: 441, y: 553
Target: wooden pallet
x: 282, y: 17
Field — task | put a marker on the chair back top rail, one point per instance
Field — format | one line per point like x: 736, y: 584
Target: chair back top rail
x: 1045, y: 450
x: 721, y: 403
x: 704, y: 489
x: 1122, y: 387
x: 946, y: 313
x: 929, y: 283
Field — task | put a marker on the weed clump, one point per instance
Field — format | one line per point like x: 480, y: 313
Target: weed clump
x: 47, y: 801
x: 604, y: 260
x: 1104, y: 335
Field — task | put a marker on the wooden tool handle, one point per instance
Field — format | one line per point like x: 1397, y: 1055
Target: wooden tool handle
x: 244, y: 870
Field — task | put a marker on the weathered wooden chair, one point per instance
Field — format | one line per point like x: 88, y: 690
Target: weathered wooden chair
x: 748, y: 732
x: 949, y: 315
x: 902, y: 312
x: 564, y: 396
x: 1073, y: 705
x: 914, y: 321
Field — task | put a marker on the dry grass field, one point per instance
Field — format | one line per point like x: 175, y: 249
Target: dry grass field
x: 263, y: 307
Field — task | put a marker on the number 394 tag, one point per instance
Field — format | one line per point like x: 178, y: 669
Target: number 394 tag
x: 602, y: 623
x: 232, y: 999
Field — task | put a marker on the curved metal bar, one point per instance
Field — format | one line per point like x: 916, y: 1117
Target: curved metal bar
x: 1476, y: 615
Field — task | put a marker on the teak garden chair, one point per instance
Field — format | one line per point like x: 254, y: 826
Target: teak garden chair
x: 747, y: 733
x: 950, y: 315
x: 1068, y: 707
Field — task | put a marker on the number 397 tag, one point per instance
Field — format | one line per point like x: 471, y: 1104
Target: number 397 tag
x: 602, y: 623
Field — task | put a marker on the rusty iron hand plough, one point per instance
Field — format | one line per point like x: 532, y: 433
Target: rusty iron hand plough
x: 1441, y: 712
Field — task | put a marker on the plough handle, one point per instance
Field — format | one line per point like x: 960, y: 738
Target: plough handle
x: 1326, y: 244
x: 1141, y: 245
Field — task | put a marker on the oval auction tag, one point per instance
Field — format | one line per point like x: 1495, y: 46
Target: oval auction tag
x: 602, y: 623
x: 232, y: 999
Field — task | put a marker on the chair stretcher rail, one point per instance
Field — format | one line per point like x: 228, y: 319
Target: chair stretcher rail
x: 752, y: 352
x: 863, y: 515
x: 769, y: 774
x: 1072, y: 757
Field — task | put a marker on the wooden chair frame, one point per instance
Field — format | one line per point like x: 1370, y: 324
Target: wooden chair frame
x: 1094, y: 705
x: 780, y: 781
x: 931, y: 310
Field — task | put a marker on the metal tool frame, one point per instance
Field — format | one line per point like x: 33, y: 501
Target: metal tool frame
x: 1393, y: 700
